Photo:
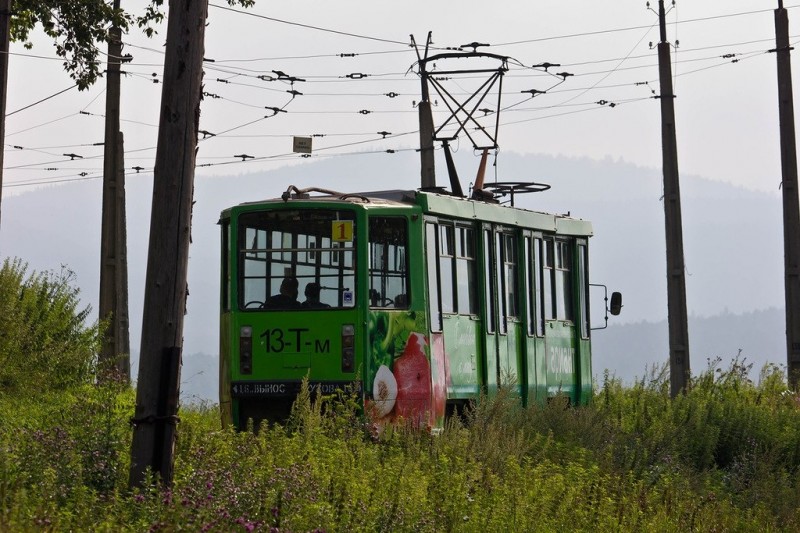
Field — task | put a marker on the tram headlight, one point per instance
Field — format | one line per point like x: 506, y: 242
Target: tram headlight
x: 246, y: 350
x: 348, y: 347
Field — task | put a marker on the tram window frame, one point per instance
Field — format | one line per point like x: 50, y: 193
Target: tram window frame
x: 510, y: 275
x: 563, y: 290
x: 538, y: 244
x: 506, y: 269
x: 432, y: 269
x: 466, y: 275
x: 446, y: 259
x: 532, y: 253
x: 583, y: 289
x: 548, y: 281
x: 391, y: 247
x: 268, y: 251
x: 226, y: 268
x: 489, y: 280
x: 527, y: 266
x: 456, y: 266
x: 252, y: 280
x: 499, y: 265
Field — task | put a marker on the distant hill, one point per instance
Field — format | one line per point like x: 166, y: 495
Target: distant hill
x: 628, y: 350
x: 733, y: 243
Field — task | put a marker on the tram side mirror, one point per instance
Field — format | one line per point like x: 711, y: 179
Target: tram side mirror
x: 616, y: 303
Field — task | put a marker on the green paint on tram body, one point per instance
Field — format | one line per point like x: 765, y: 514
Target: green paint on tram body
x: 418, y: 301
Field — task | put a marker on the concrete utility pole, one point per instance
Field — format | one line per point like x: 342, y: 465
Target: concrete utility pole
x: 426, y: 148
x: 5, y: 47
x: 115, y: 352
x: 791, y: 209
x: 165, y: 296
x: 680, y: 373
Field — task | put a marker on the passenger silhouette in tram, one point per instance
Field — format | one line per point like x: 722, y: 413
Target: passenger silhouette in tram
x: 312, y: 297
x: 286, y: 298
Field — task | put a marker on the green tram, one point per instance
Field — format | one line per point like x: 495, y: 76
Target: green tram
x: 421, y: 299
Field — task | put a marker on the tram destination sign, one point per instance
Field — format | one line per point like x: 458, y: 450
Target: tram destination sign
x: 267, y: 389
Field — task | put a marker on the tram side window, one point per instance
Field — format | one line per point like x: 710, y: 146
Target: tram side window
x: 226, y: 271
x: 527, y: 265
x: 388, y: 264
x: 431, y: 260
x: 489, y: 284
x: 563, y: 288
x: 452, y: 263
x: 506, y: 268
x: 466, y: 275
x: 446, y: 255
x: 583, y: 290
x: 537, y: 275
x: 254, y: 273
x: 510, y: 274
x: 499, y: 269
x: 548, y: 265
x: 532, y: 251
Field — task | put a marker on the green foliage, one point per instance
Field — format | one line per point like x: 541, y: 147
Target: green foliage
x: 722, y: 458
x: 44, y: 341
x: 74, y: 26
x: 154, y: 14
x: 77, y: 26
x: 63, y: 455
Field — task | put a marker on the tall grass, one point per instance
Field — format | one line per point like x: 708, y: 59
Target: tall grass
x: 724, y: 457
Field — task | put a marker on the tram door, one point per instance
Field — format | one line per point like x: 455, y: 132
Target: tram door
x: 535, y: 363
x: 501, y: 296
x: 560, y: 342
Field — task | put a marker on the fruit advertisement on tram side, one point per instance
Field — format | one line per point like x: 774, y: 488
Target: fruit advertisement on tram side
x: 400, y: 380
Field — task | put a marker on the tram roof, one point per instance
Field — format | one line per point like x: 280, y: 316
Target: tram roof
x: 435, y: 203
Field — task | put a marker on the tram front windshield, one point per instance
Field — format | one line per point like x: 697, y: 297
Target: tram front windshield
x: 297, y: 259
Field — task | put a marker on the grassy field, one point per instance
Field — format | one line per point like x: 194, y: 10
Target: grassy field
x: 724, y: 457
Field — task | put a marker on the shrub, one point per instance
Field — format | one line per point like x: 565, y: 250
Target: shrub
x: 45, y: 343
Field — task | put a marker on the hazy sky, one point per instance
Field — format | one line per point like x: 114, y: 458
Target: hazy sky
x: 726, y: 108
